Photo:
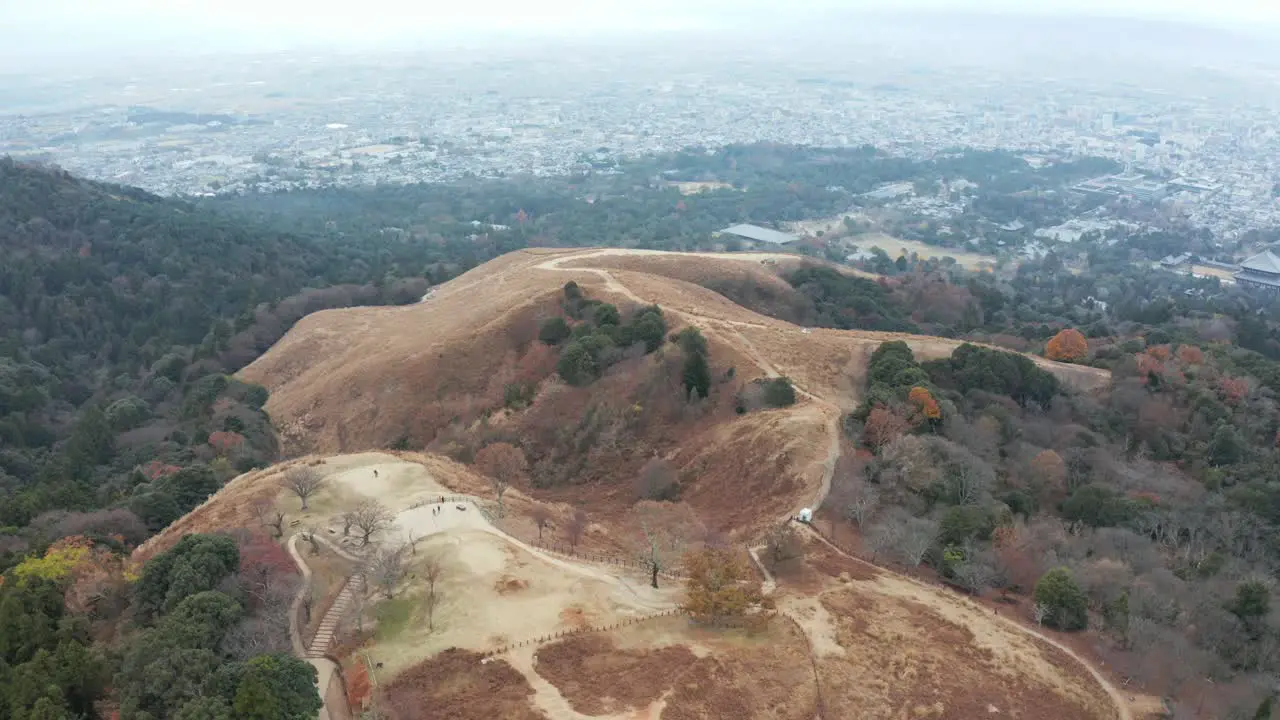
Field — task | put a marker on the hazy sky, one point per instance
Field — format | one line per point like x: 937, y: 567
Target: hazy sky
x: 63, y: 27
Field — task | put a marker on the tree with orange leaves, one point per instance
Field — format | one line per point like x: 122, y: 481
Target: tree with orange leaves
x: 1067, y: 346
x: 719, y: 585
x: 924, y: 403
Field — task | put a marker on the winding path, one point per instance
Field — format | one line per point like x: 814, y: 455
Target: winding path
x: 833, y: 452
x: 326, y: 669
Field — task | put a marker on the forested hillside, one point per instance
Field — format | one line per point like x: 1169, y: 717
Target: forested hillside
x: 122, y: 313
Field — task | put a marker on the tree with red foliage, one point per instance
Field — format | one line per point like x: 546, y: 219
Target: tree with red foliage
x: 883, y: 426
x: 1067, y: 346
x: 264, y: 566
x: 155, y: 470
x: 1018, y: 561
x: 224, y: 442
x: 1190, y: 355
x: 1233, y: 389
x: 1150, y: 368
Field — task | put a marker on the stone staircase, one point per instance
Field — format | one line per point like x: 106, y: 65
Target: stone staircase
x: 323, y: 639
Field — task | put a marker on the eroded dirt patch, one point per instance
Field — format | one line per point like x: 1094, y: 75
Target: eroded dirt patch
x: 598, y: 678
x: 456, y: 685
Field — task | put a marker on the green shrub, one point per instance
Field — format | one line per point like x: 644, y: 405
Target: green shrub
x: 554, y: 331
x: 606, y: 314
x: 518, y: 394
x: 779, y: 392
x: 1065, y: 605
x: 576, y: 365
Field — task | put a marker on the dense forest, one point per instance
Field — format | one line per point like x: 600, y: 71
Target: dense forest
x: 1149, y: 513
x: 200, y: 632
x: 121, y: 316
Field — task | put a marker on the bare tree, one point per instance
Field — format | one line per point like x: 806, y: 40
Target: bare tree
x: 576, y: 528
x: 303, y: 481
x: 432, y: 569
x: 313, y: 540
x: 663, y: 531
x: 266, y: 512
x: 266, y: 630
x: 370, y: 517
x: 860, y: 500
x: 1039, y: 612
x: 881, y: 537
x: 503, y: 463
x: 388, y: 568
x: 541, y: 517
x: 968, y: 483
x: 657, y: 480
x: 917, y: 536
x: 976, y: 572
x: 348, y: 519
x: 782, y: 545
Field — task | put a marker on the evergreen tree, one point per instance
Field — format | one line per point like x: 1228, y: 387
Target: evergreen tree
x: 697, y: 375
x: 576, y: 365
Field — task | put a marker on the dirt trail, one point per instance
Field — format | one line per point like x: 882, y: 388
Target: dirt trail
x: 325, y: 668
x: 833, y: 453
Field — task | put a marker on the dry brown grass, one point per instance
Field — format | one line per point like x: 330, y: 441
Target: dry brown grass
x: 768, y: 676
x: 455, y: 685
x: 230, y: 508
x: 887, y: 647
x: 354, y: 379
x: 597, y: 677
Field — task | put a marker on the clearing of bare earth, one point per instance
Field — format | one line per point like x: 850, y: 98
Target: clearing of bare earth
x: 494, y: 593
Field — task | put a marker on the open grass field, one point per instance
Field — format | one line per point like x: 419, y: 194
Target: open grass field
x: 896, y: 247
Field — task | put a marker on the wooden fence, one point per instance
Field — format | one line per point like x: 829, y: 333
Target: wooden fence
x: 584, y: 629
x: 626, y: 561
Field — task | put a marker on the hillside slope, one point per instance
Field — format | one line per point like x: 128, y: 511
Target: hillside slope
x: 368, y: 378
x: 342, y: 375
